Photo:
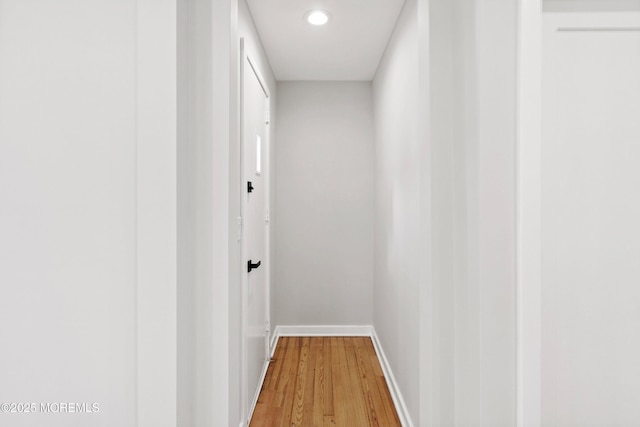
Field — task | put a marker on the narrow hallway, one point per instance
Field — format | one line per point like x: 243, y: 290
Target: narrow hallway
x: 302, y: 213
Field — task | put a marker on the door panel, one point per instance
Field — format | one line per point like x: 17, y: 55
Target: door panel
x: 255, y: 147
x: 591, y: 221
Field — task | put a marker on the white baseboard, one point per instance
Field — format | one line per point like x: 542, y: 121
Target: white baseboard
x: 257, y: 395
x: 394, y: 389
x: 349, y: 331
x: 323, y: 330
x: 274, y: 342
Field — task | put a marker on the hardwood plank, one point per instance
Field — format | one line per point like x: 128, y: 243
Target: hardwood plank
x: 385, y: 408
x: 298, y: 403
x: 317, y: 411
x: 341, y: 390
x: 273, y: 372
x: 329, y: 421
x: 367, y: 373
x: 288, y: 379
x: 328, y: 408
x: 266, y: 410
x: 357, y: 411
x: 385, y: 396
x: 325, y: 382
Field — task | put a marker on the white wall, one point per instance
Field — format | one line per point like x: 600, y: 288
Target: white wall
x: 398, y: 218
x: 445, y: 214
x: 209, y: 292
x: 465, y: 164
x: 485, y: 227
x: 156, y: 212
x: 482, y: 38
x: 87, y: 211
x: 324, y: 184
x: 193, y: 80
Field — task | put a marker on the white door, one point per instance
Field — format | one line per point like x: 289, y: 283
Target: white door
x: 590, y: 171
x: 255, y: 230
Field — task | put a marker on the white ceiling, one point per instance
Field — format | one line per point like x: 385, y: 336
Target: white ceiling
x: 348, y: 47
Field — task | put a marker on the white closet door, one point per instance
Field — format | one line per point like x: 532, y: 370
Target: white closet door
x: 591, y: 220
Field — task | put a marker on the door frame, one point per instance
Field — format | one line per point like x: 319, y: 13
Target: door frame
x: 528, y: 214
x: 246, y: 398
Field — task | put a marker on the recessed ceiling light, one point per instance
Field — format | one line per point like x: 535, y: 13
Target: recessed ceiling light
x: 317, y: 17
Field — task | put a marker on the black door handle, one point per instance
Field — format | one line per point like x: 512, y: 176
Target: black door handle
x: 252, y: 266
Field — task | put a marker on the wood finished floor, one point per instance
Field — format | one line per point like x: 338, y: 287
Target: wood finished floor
x: 324, y: 382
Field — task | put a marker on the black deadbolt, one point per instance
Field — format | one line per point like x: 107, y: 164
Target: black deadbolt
x: 249, y: 186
